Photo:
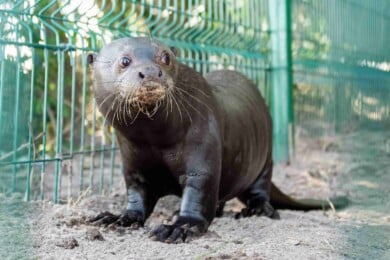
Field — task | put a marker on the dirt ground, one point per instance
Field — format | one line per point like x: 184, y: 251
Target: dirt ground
x: 322, y: 168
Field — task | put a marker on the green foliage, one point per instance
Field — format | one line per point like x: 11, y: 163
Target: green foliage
x: 339, y: 48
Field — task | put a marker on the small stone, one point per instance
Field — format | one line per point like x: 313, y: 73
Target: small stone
x: 68, y: 243
x: 94, y: 234
x: 72, y: 222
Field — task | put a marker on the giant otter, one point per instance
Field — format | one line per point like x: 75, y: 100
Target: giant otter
x: 206, y: 139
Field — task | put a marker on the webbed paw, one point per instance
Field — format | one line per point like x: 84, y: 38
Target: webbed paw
x: 126, y: 219
x: 180, y: 231
x: 265, y: 210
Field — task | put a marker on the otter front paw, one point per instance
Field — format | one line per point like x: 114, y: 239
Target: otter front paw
x: 259, y: 210
x: 180, y: 231
x: 126, y: 219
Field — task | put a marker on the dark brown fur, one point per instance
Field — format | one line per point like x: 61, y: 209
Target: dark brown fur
x: 208, y: 140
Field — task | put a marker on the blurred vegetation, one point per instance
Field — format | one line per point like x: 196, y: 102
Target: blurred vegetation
x: 59, y: 33
x: 50, y: 131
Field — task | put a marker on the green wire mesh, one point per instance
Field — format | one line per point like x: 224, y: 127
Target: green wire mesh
x: 341, y: 65
x: 53, y: 143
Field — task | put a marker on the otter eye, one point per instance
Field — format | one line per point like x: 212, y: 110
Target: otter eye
x: 125, y: 61
x: 165, y: 58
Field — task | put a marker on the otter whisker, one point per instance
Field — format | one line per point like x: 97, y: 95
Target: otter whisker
x: 118, y: 110
x: 156, y: 107
x: 114, y: 102
x: 100, y: 104
x: 114, y: 110
x: 194, y: 98
x: 107, y: 114
x: 200, y: 91
x: 165, y: 104
x: 178, y: 108
x: 169, y: 102
x: 171, y: 93
x: 135, y: 117
x: 128, y: 105
x: 184, y: 99
x: 124, y: 113
x: 154, y: 111
x: 181, y: 100
x: 130, y: 98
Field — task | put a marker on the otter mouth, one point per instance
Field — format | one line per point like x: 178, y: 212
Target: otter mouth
x: 145, y: 98
x: 148, y: 94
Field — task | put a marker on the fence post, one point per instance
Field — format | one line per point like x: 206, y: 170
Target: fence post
x: 281, y: 78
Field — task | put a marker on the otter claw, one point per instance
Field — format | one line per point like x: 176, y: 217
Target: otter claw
x: 171, y: 234
x: 105, y: 218
x: 265, y: 210
x: 127, y: 219
x: 178, y: 232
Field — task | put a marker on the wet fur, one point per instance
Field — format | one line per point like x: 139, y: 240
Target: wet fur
x: 208, y: 140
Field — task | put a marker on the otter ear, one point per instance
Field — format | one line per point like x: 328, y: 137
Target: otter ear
x: 174, y: 50
x: 91, y: 58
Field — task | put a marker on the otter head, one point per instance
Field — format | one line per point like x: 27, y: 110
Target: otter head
x: 133, y: 75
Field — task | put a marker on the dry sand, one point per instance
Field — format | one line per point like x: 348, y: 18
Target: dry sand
x: 322, y: 168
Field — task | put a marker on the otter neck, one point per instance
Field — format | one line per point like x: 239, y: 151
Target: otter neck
x: 161, y: 128
x: 186, y: 105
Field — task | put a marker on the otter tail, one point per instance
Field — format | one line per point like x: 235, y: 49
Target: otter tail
x: 279, y: 200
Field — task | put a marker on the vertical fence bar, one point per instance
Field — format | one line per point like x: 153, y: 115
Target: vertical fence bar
x: 83, y: 110
x: 2, y: 90
x: 281, y: 77
x: 31, y: 148
x: 73, y: 64
x: 2, y: 59
x: 44, y: 119
x: 60, y: 107
x: 16, y: 117
x: 93, y: 147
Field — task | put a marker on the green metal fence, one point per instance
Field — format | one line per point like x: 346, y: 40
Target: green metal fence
x: 341, y: 65
x: 54, y: 144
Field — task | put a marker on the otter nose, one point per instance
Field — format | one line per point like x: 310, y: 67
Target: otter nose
x: 150, y: 72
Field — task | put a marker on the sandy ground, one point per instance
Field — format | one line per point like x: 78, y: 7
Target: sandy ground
x: 322, y: 168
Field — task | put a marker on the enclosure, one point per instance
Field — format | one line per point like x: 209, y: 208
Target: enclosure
x: 322, y: 66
